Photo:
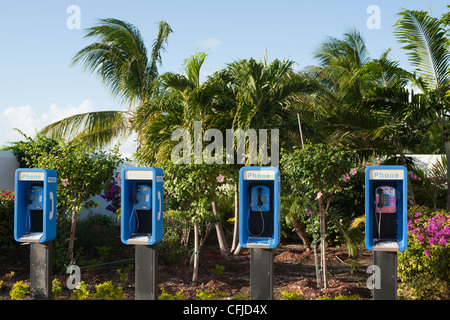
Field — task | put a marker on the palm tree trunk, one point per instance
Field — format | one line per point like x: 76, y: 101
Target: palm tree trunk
x: 299, y: 229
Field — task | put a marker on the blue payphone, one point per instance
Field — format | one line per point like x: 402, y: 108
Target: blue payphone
x: 386, y: 191
x: 142, y: 205
x: 35, y: 205
x: 259, y: 207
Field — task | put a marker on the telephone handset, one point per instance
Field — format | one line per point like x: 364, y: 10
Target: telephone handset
x: 35, y: 205
x: 142, y: 197
x: 259, y: 221
x: 385, y: 202
x: 385, y: 199
x: 260, y: 199
x: 34, y: 198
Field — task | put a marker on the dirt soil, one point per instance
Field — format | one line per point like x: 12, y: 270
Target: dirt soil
x: 294, y: 270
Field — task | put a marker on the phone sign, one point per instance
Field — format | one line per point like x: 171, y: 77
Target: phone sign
x: 139, y: 175
x: 31, y: 176
x: 259, y: 175
x: 386, y: 174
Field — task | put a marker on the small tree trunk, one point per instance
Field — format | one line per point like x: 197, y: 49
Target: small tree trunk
x: 236, y: 247
x: 196, y: 248
x: 323, y: 244
x: 72, y: 234
x: 220, y: 234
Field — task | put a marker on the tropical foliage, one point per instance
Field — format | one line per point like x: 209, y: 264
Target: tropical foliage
x: 121, y: 61
x: 81, y: 175
x: 427, y: 47
x: 332, y: 117
x: 424, y: 267
x: 6, y: 218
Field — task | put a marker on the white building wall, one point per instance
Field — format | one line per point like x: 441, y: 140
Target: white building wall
x: 8, y: 166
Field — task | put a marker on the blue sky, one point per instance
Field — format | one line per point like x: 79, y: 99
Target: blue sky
x: 38, y: 86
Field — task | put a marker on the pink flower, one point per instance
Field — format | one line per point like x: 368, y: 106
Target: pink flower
x: 345, y: 177
x: 118, y: 179
x: 220, y: 178
x: 353, y: 171
x: 420, y: 239
x: 308, y: 212
x: 319, y: 195
x: 65, y: 182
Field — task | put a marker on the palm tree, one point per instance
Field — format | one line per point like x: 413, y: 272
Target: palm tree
x: 120, y: 59
x: 260, y: 95
x: 428, y: 51
x: 364, y: 102
x: 246, y: 94
x: 178, y: 101
x: 338, y: 60
x: 252, y: 94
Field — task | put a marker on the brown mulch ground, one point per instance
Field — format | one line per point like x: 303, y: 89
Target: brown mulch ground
x: 293, y: 270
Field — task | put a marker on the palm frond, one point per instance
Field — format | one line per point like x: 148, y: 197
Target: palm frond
x: 164, y: 31
x: 192, y: 66
x: 98, y: 128
x: 119, y: 58
x: 426, y: 42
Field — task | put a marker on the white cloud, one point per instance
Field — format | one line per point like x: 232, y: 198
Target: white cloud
x: 56, y: 113
x: 28, y: 120
x: 210, y: 44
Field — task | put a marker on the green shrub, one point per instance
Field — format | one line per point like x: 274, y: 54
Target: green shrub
x: 424, y: 268
x: 8, y: 276
x: 240, y: 297
x: 82, y: 292
x: 173, y: 248
x: 292, y: 295
x: 19, y: 290
x: 339, y: 297
x: 106, y: 290
x: 97, y: 234
x: 6, y: 219
x: 56, y: 288
x: 206, y: 295
x: 124, y: 274
x: 218, y: 269
x: 167, y: 296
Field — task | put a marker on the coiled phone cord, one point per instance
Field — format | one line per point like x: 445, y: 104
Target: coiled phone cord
x: 248, y: 223
x: 378, y: 220
x: 137, y: 220
x: 28, y: 219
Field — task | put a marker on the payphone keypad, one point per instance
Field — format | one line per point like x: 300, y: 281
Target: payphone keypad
x: 35, y: 199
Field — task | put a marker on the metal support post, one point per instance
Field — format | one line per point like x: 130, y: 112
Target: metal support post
x: 146, y: 282
x: 261, y: 274
x: 387, y: 262
x: 41, y: 270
